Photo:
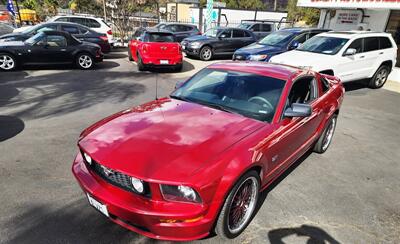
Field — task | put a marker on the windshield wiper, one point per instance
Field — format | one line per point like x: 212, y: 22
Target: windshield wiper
x: 180, y: 98
x: 218, y: 106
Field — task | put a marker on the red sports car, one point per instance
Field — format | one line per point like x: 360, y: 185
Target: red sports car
x: 155, y: 47
x: 181, y: 167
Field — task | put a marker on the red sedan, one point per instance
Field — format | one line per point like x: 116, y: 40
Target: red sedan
x: 155, y: 47
x: 184, y: 166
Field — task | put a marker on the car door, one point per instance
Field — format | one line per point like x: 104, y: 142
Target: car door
x: 353, y: 67
x: 134, y: 42
x: 293, y: 136
x: 239, y: 39
x: 52, y: 49
x: 256, y: 29
x: 73, y: 30
x: 372, y: 54
x: 225, y: 43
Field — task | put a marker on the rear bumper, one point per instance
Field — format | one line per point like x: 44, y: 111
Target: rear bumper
x: 143, y: 215
x: 157, y: 61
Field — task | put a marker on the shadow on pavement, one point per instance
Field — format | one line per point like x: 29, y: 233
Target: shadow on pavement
x: 63, y: 67
x: 113, y: 55
x: 10, y: 126
x: 314, y: 235
x: 186, y: 67
x: 75, y: 222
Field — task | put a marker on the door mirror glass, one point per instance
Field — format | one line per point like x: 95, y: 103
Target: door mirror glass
x: 294, y: 45
x: 298, y: 110
x: 350, y: 52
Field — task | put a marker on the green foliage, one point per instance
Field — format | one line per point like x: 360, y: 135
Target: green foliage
x: 88, y: 6
x: 309, y: 15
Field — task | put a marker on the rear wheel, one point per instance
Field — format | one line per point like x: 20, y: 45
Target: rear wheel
x: 206, y: 53
x: 7, y: 62
x: 326, y: 137
x: 380, y: 77
x: 130, y: 55
x: 239, y: 207
x: 84, y: 61
x: 140, y: 64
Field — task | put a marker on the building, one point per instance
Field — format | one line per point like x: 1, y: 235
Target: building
x: 374, y: 15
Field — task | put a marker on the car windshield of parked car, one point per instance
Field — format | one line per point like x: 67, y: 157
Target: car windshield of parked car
x: 323, y: 44
x: 159, y: 37
x: 36, y: 38
x: 278, y: 38
x: 251, y: 95
x: 212, y: 32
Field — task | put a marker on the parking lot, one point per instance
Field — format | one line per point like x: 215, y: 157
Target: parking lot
x: 350, y: 194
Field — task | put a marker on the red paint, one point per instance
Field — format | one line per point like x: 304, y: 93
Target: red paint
x: 175, y: 142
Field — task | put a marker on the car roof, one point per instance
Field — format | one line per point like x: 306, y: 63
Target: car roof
x: 278, y: 71
x: 177, y: 23
x: 301, y: 29
x: 76, y: 16
x: 65, y: 23
x: 354, y: 34
x: 157, y: 30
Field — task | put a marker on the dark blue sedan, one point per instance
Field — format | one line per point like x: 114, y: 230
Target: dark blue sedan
x: 275, y: 43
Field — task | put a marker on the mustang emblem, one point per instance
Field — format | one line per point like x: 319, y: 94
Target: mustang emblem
x: 107, y: 171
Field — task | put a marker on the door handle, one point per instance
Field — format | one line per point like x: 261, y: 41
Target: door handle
x: 362, y: 56
x: 380, y: 53
x: 63, y: 50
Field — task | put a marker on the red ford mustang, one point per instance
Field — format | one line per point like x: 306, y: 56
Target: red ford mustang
x: 154, y: 47
x: 181, y: 167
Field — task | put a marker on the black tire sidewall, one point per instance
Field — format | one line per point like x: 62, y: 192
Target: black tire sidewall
x: 201, y: 53
x: 79, y: 65
x: 221, y: 227
x: 372, y: 81
x: 319, y: 145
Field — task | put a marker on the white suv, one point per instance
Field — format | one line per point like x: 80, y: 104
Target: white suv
x: 349, y: 55
x: 96, y: 24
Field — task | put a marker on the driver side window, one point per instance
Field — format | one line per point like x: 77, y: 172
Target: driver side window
x: 303, y: 91
x: 226, y: 34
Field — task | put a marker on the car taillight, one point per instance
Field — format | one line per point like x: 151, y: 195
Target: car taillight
x: 109, y: 32
x: 104, y: 38
x: 179, y: 48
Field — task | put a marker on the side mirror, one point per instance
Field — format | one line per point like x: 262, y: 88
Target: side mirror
x: 179, y: 84
x: 298, y: 110
x: 294, y: 45
x: 350, y: 52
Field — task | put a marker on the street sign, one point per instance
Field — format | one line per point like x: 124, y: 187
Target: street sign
x: 209, y: 13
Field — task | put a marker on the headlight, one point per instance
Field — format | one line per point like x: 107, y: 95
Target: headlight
x: 88, y: 159
x: 195, y: 44
x: 137, y: 185
x: 258, y: 57
x: 179, y: 193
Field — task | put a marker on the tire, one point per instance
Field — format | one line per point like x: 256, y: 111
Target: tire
x: 84, y: 61
x: 326, y: 137
x: 7, y: 62
x: 224, y: 228
x: 141, y: 66
x: 130, y: 55
x: 178, y: 67
x: 380, y: 77
x: 206, y: 53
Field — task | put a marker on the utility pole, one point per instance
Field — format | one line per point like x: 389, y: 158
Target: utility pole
x: 104, y: 9
x: 275, y: 4
x: 19, y: 14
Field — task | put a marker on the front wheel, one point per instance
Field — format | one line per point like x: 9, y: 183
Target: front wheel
x: 206, y: 53
x: 7, y: 62
x: 380, y: 77
x: 84, y: 61
x: 326, y: 137
x: 239, y: 207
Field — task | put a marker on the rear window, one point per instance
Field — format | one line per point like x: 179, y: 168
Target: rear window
x: 266, y: 27
x: 70, y: 29
x: 384, y: 42
x: 159, y: 37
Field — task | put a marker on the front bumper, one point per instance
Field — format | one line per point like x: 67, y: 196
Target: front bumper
x: 144, y: 215
x: 191, y: 51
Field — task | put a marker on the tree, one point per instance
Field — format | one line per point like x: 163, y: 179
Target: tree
x: 309, y: 15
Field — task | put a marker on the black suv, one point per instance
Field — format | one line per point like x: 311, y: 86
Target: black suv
x: 217, y: 41
x: 181, y: 31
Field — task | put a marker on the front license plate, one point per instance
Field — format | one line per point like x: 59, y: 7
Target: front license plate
x: 99, y: 206
x: 164, y: 62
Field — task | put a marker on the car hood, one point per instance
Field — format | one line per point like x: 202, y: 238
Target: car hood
x: 301, y: 58
x: 198, y: 38
x: 166, y: 139
x: 12, y: 44
x: 256, y: 48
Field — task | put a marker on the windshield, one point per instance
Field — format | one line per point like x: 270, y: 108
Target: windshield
x: 159, y: 37
x: 251, y: 95
x: 278, y: 38
x: 323, y: 44
x: 36, y: 38
x: 160, y: 26
x: 244, y: 25
x: 212, y: 32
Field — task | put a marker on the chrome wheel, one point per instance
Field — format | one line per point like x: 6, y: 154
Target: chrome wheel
x: 381, y: 77
x: 329, y: 134
x: 6, y: 62
x: 206, y: 53
x: 242, y: 205
x: 85, y: 61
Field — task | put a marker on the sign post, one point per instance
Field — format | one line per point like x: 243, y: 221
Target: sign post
x: 209, y: 13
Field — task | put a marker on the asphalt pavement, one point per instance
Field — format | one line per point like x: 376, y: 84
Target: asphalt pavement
x: 350, y: 194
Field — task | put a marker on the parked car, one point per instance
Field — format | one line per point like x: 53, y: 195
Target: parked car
x: 221, y: 137
x: 349, y: 55
x: 79, y: 31
x: 217, y: 41
x: 96, y: 24
x: 181, y: 31
x: 5, y: 28
x: 260, y: 29
x: 155, y: 47
x: 275, y: 43
x: 49, y: 47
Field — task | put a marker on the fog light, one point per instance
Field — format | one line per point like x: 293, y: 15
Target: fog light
x: 87, y: 158
x: 137, y: 185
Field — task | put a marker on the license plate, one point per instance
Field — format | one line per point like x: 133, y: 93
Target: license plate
x: 97, y: 205
x: 164, y: 62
